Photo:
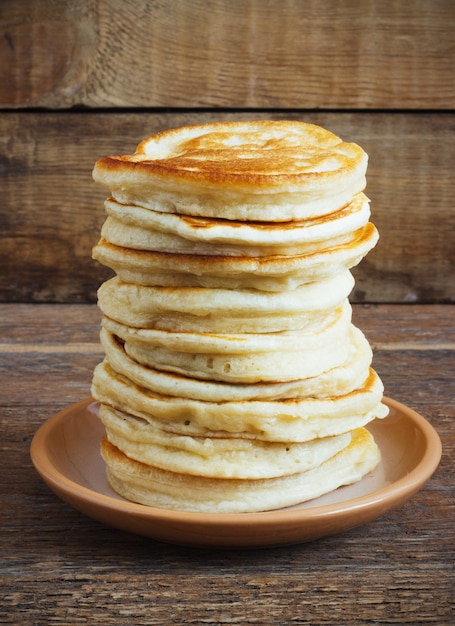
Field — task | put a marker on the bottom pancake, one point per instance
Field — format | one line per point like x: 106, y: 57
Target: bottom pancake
x: 151, y: 486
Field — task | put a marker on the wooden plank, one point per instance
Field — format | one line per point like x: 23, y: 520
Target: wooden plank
x: 396, y: 569
x: 404, y: 326
x: 69, y: 325
x: 242, y: 53
x: 51, y: 211
x: 64, y: 327
x: 63, y: 339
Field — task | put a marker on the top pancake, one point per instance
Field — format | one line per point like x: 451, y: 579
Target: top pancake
x: 262, y: 170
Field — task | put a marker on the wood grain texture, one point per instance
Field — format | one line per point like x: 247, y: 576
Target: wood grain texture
x: 61, y: 567
x: 242, y: 53
x: 114, y: 71
x: 51, y: 211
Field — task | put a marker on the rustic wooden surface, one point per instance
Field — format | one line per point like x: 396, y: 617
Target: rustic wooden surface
x: 242, y: 53
x: 59, y: 567
x: 79, y: 80
x: 52, y: 211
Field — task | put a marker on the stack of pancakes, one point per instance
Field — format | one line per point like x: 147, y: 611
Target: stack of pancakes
x: 234, y: 379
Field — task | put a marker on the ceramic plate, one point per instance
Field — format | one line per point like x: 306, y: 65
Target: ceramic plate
x: 65, y: 452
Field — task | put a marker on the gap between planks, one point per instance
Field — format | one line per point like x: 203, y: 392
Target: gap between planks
x: 412, y: 345
x: 95, y: 348
x: 49, y: 348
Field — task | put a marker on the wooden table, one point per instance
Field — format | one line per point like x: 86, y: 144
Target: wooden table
x: 60, y: 567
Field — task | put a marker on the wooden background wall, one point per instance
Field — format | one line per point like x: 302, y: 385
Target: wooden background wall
x: 81, y: 79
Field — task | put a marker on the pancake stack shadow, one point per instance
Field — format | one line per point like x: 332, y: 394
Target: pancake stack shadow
x: 234, y: 379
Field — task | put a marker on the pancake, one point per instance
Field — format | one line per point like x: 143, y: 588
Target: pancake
x: 263, y: 171
x: 204, y: 310
x: 114, y: 231
x: 351, y: 374
x: 300, y: 355
x: 337, y: 319
x: 152, y: 486
x: 276, y: 273
x: 216, y: 457
x: 145, y: 229
x: 291, y: 420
